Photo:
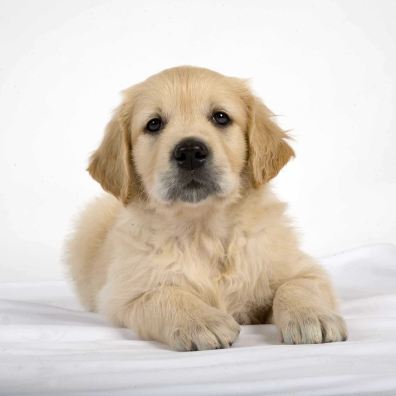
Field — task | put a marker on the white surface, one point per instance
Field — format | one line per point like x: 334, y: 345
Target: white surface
x: 49, y: 346
x: 327, y: 67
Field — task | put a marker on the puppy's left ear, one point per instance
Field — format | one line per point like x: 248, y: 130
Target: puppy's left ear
x: 268, y: 149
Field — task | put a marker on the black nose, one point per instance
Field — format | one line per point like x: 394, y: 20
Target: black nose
x: 190, y: 154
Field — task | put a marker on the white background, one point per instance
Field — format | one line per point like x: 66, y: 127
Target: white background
x: 328, y: 68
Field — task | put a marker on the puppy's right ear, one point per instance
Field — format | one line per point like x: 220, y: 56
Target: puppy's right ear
x: 111, y: 164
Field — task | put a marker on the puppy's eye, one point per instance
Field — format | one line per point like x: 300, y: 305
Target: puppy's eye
x: 220, y: 118
x: 154, y: 125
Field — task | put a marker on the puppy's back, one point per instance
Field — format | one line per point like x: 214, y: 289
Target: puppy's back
x: 84, y: 247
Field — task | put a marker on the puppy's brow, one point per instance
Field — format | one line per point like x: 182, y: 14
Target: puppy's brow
x: 217, y: 107
x: 154, y: 114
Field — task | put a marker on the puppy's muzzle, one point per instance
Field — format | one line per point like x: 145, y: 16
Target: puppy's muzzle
x: 190, y: 154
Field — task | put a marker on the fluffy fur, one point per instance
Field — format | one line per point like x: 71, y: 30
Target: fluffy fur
x: 189, y: 273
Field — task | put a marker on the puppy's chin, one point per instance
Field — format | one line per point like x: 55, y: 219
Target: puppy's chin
x: 193, y: 191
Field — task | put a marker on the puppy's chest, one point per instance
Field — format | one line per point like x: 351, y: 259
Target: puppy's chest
x: 231, y: 268
x: 226, y: 269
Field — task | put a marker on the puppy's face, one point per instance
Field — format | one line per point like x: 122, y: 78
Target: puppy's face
x: 188, y: 136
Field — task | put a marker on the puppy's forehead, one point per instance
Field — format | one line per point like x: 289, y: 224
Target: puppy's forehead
x: 190, y: 92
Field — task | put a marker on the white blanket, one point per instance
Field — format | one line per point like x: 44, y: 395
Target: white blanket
x: 50, y: 346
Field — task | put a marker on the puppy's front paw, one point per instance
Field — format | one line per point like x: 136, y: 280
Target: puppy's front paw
x: 209, y: 331
x: 312, y: 326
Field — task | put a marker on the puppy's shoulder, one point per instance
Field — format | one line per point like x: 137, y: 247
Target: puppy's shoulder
x: 259, y: 206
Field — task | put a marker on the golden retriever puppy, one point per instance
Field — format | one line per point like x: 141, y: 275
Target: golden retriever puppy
x: 192, y: 242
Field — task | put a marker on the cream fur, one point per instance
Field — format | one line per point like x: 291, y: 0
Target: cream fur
x: 189, y: 274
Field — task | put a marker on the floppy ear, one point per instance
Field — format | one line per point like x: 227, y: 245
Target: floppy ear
x: 268, y: 149
x: 111, y: 164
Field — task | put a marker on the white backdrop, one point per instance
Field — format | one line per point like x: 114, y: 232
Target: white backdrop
x: 328, y: 68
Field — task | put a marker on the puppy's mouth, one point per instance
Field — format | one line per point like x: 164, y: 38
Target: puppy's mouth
x: 193, y: 184
x: 190, y: 186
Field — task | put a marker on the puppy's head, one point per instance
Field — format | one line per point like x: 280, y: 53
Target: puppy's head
x: 188, y: 136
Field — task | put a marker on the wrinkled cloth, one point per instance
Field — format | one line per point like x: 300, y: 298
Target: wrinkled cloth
x: 50, y: 346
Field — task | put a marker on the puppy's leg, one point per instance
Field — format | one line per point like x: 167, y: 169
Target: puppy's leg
x: 179, y: 319
x: 304, y: 309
